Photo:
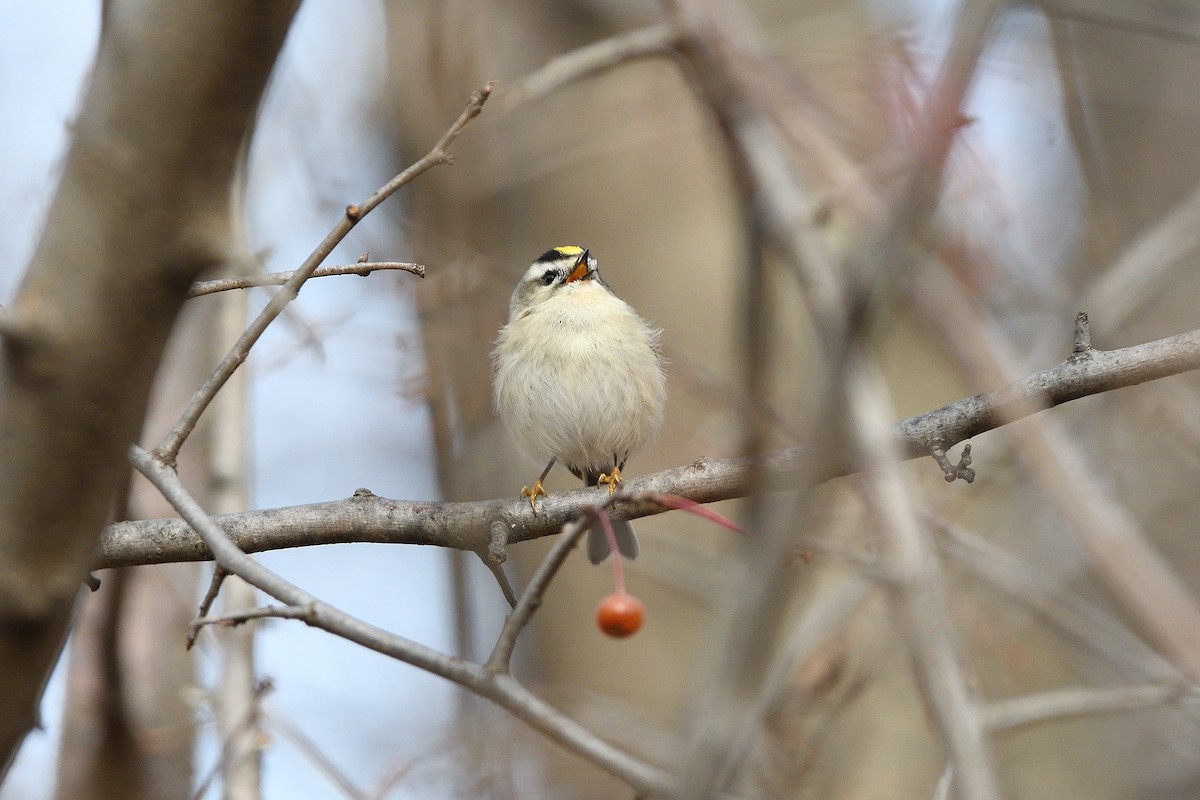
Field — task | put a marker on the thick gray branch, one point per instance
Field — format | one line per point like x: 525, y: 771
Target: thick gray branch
x: 467, y: 526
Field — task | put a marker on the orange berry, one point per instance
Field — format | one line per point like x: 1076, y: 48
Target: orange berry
x: 620, y: 615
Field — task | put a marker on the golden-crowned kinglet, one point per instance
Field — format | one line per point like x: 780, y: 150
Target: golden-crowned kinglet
x: 578, y: 378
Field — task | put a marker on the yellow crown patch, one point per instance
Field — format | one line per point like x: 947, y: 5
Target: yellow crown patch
x: 559, y: 253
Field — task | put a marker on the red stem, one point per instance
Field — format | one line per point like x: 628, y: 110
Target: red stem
x: 618, y: 572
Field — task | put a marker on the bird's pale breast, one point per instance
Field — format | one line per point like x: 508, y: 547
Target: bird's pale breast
x: 591, y: 384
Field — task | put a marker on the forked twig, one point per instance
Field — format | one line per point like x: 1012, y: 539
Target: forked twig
x: 168, y: 449
x: 531, y: 598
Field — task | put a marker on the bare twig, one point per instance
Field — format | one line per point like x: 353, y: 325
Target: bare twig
x: 210, y: 597
x: 214, y: 588
x: 531, y: 598
x: 502, y: 581
x: 647, y: 781
x: 168, y: 449
x: 467, y: 525
x: 362, y: 269
x: 1017, y: 712
x: 1104, y: 370
x: 497, y: 549
x: 497, y: 554
x: 587, y: 61
x: 953, y: 472
x: 1083, y: 336
x: 235, y: 618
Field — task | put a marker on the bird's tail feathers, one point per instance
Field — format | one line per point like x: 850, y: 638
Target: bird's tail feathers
x: 597, y: 542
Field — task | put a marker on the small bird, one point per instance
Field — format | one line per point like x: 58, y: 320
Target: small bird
x: 578, y: 377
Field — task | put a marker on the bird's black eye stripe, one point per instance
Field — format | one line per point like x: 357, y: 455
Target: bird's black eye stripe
x: 548, y: 276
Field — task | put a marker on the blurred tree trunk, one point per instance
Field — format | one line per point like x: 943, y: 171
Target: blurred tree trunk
x: 237, y: 696
x: 142, y: 208
x: 128, y: 723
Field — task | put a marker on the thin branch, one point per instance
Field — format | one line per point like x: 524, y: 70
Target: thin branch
x: 1061, y: 704
x: 312, y: 751
x: 730, y: 70
x: 214, y: 587
x: 467, y: 525
x: 499, y: 660
x: 497, y: 554
x: 648, y: 781
x: 1083, y: 336
x: 502, y: 581
x: 586, y: 61
x: 168, y: 449
x: 235, y: 618
x: 201, y: 288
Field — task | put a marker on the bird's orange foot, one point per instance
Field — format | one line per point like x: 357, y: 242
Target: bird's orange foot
x: 533, y: 493
x: 613, y: 479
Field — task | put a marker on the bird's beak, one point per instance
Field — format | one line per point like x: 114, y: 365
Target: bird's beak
x: 581, y: 269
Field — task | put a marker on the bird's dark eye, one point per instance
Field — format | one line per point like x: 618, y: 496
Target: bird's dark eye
x: 548, y: 276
